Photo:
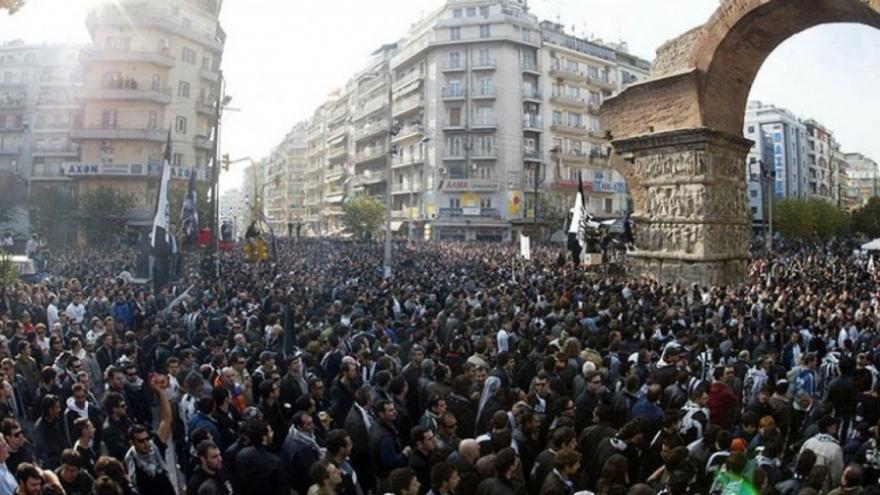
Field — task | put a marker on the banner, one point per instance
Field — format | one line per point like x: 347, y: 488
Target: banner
x: 525, y: 247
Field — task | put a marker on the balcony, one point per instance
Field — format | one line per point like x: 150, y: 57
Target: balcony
x: 530, y: 67
x: 203, y: 142
x: 332, y: 174
x: 482, y: 65
x: 211, y: 76
x: 563, y: 128
x: 156, y: 18
x: 10, y: 150
x: 453, y: 94
x: 407, y: 162
x: 533, y: 156
x: 484, y: 124
x: 12, y: 103
x: 603, y: 83
x: 370, y: 155
x: 532, y: 123
x: 97, y: 55
x: 531, y: 95
x: 336, y: 152
x: 70, y: 149
x: 573, y: 156
x: 161, y: 96
x: 368, y: 178
x: 407, y: 132
x: 205, y: 108
x: 568, y: 101
x: 569, y: 73
x: 480, y: 154
x: 454, y: 125
x: 408, y: 105
x: 454, y: 155
x: 156, y: 135
x: 406, y: 188
x: 406, y: 80
x: 599, y: 159
x: 453, y: 66
x: 370, y: 107
x: 487, y: 93
x: 470, y: 185
x: 370, y: 130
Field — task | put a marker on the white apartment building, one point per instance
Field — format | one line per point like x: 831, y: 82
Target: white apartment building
x: 788, y: 136
x: 285, y: 181
x: 863, y: 179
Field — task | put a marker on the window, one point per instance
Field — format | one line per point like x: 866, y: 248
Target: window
x: 152, y: 119
x: 108, y: 119
x: 471, y: 11
x: 592, y: 72
x: 456, y: 13
x: 484, y: 57
x: 115, y: 44
x: 189, y: 56
x: 609, y: 205
x: 485, y: 202
x: 574, y: 119
x: 556, y: 90
x: 455, y: 33
x: 156, y: 82
x: 180, y: 125
x: 486, y: 86
x: 485, y: 31
x: 754, y: 193
x: 485, y: 144
x: 484, y: 11
x: 453, y: 146
x: 454, y: 203
x: 454, y: 60
x: 557, y: 117
x: 183, y: 89
x: 527, y: 35
x: 177, y: 159
x: 206, y: 63
x: 483, y: 115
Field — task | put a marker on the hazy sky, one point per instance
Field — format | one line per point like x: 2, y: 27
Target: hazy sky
x: 283, y: 57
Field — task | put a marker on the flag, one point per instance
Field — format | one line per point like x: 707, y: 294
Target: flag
x: 871, y: 266
x: 525, y: 247
x: 189, y: 214
x: 162, y: 243
x: 576, y: 228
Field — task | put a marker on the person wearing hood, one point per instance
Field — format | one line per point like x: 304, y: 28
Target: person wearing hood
x: 300, y: 451
x: 490, y: 401
x: 625, y: 443
x: 78, y: 406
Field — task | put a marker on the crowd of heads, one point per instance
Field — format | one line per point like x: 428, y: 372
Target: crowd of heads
x: 471, y: 371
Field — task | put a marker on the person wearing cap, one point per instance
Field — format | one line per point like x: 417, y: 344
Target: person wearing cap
x: 827, y: 449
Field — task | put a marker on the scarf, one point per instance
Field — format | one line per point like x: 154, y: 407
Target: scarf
x: 83, y: 412
x: 308, y: 439
x: 151, y: 463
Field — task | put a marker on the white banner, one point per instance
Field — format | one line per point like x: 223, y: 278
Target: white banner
x: 525, y: 247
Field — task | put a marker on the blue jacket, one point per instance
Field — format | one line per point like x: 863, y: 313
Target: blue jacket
x: 299, y: 456
x: 121, y: 312
x: 202, y: 420
x: 648, y: 410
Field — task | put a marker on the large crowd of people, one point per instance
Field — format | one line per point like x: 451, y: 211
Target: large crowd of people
x: 470, y: 372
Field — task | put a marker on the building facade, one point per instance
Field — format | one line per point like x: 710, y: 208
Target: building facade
x: 477, y: 101
x: 40, y: 91
x: 285, y: 181
x: 152, y: 69
x: 863, y: 179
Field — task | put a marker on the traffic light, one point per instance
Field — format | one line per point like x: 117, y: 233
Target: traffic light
x: 225, y: 161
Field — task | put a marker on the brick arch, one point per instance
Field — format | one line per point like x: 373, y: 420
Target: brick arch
x: 678, y: 136
x: 737, y: 39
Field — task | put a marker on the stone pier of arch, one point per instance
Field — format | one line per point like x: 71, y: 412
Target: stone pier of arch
x: 677, y: 137
x: 693, y: 227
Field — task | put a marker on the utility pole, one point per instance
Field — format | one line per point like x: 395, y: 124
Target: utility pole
x: 215, y: 180
x: 388, y: 174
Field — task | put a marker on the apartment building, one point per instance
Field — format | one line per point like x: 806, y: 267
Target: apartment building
x: 285, y: 180
x: 863, y: 179
x: 788, y: 136
x: 579, y: 75
x: 40, y: 90
x: 468, y: 95
x: 820, y: 175
x: 152, y: 67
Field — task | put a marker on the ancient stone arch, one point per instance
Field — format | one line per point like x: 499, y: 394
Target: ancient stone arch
x: 678, y: 138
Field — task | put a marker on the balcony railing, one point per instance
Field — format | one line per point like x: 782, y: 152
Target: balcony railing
x: 453, y: 93
x: 483, y: 64
x: 531, y: 94
x: 157, y: 135
x: 484, y: 92
x: 565, y: 71
x: 159, y: 95
x: 406, y: 187
x: 533, y: 155
x: 467, y: 212
x: 371, y: 154
x: 532, y: 122
x: 453, y: 65
x: 529, y: 65
x: 371, y: 129
x: 487, y: 123
x: 408, y: 104
x: 99, y: 55
x: 203, y: 142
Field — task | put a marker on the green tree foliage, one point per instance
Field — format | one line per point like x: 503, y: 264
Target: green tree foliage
x: 53, y: 213
x: 8, y: 272
x: 866, y: 219
x: 362, y: 216
x: 102, y: 212
x: 809, y: 219
x: 12, y: 194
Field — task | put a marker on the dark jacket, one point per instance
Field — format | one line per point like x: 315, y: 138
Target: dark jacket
x: 360, y: 450
x: 554, y: 485
x: 299, y: 456
x: 468, y: 474
x: 116, y: 437
x: 341, y: 400
x: 386, y: 452
x: 498, y: 485
x: 50, y: 440
x: 260, y: 472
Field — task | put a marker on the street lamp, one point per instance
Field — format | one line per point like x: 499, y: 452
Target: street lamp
x: 388, y: 179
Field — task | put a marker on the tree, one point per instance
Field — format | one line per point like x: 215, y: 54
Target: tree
x: 12, y: 193
x: 53, y: 213
x: 866, y: 219
x: 809, y: 219
x: 102, y: 212
x: 362, y: 216
x: 8, y: 271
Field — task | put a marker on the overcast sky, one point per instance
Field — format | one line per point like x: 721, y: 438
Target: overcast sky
x: 283, y: 57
